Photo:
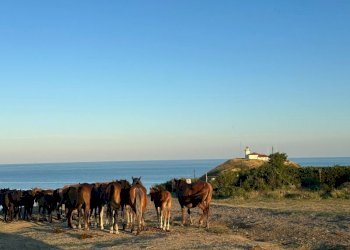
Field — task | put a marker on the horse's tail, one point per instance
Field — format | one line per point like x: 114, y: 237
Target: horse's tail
x: 138, y: 202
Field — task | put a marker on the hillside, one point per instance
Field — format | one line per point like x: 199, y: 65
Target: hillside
x: 239, y: 164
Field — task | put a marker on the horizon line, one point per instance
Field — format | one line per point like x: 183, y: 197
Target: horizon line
x: 150, y: 160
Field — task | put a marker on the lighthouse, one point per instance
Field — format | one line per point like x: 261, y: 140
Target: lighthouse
x: 247, y: 152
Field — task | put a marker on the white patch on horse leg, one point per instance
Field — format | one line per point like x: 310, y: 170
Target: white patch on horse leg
x: 111, y: 220
x: 168, y: 227
x: 101, y: 219
x: 161, y: 218
x: 116, y: 228
x: 79, y: 217
x: 164, y: 223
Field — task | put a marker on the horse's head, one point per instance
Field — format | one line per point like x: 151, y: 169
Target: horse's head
x: 153, y: 191
x: 136, y: 180
x: 175, y: 184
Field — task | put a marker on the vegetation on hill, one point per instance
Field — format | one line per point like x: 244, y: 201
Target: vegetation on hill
x: 279, y: 174
x: 238, y: 165
x: 277, y: 178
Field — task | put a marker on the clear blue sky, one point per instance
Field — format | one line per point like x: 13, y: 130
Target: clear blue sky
x: 135, y: 80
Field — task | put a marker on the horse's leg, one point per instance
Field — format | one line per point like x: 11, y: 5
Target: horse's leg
x: 123, y: 216
x: 189, y: 213
x: 163, y: 215
x: 183, y: 210
x: 204, y: 213
x: 132, y: 216
x: 101, y: 217
x: 159, y: 217
x: 38, y: 217
x: 80, y: 210
x: 139, y: 223
x: 49, y: 213
x: 115, y: 226
x: 168, y: 215
x: 207, y: 211
x: 86, y: 217
x: 110, y: 220
x: 205, y: 207
x: 143, y: 220
x: 69, y: 215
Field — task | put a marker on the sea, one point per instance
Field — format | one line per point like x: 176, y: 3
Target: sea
x: 56, y: 175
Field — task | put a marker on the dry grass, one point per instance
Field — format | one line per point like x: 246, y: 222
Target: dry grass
x: 84, y: 236
x: 57, y: 230
x: 234, y: 224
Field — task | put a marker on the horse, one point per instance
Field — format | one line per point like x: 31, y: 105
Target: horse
x: 138, y: 201
x: 125, y: 203
x: 162, y: 203
x: 46, y: 202
x: 78, y: 197
x: 98, y: 201
x: 198, y: 194
x: 112, y: 199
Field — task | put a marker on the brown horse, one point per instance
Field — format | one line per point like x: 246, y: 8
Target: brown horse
x: 198, y: 194
x: 162, y: 203
x: 125, y: 203
x: 98, y: 201
x: 112, y: 199
x: 78, y: 197
x: 138, y: 201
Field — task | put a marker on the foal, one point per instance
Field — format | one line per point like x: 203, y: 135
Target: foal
x: 162, y: 203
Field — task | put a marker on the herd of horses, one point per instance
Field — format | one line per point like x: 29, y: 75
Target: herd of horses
x: 91, y: 201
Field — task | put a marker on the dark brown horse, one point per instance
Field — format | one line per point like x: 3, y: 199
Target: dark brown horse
x: 162, y: 203
x: 78, y: 197
x: 198, y: 194
x: 98, y: 201
x: 138, y: 201
x: 125, y: 203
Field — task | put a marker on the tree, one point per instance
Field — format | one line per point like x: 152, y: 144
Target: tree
x: 277, y: 159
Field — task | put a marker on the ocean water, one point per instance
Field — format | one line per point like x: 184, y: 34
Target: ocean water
x: 322, y: 161
x: 55, y: 175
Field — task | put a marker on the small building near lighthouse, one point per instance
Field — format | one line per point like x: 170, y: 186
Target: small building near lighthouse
x: 255, y: 156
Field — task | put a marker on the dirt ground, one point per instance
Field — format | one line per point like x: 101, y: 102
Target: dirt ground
x: 289, y: 224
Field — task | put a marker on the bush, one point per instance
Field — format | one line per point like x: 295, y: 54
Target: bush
x: 225, y: 184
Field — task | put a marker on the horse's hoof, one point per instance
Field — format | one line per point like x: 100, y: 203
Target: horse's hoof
x: 116, y: 232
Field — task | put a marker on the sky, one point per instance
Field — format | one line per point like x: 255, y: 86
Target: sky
x: 151, y: 80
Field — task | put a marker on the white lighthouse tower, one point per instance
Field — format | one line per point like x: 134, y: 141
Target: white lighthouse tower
x: 247, y: 152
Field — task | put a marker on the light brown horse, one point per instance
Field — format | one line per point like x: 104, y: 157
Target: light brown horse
x: 198, y: 194
x: 112, y: 199
x: 138, y: 202
x: 162, y: 203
